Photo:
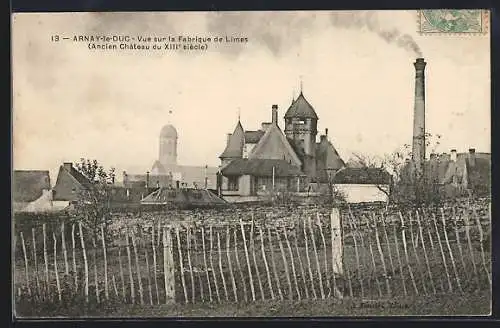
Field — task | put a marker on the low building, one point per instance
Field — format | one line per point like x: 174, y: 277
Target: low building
x: 362, y: 185
x: 29, y: 188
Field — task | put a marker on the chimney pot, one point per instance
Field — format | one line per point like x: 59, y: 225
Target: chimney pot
x: 453, y: 155
x: 68, y: 165
x: 472, y: 157
x: 228, y: 137
x: 326, y: 132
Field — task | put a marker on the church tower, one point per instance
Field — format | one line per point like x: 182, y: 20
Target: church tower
x: 168, y: 146
x: 301, y: 128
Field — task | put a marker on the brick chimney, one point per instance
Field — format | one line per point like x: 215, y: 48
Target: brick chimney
x: 418, y: 147
x: 326, y: 132
x: 68, y: 166
x: 275, y: 114
x: 453, y: 155
x: 472, y: 157
x: 228, y: 137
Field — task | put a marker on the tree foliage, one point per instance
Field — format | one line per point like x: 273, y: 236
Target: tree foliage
x: 93, y: 207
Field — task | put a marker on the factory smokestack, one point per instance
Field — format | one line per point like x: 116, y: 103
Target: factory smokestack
x: 418, y: 146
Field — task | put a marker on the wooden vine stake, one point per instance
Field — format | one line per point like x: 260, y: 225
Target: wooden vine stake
x: 248, y: 259
x: 190, y: 264
x: 268, y: 274
x: 311, y: 277
x: 337, y: 240
x: 273, y: 262
x: 130, y: 275
x: 285, y: 264
x: 374, y: 265
x: 168, y: 267
x: 104, y: 251
x: 356, y: 253
x: 96, y: 281
x: 240, y: 270
x: 56, y: 270
x: 400, y: 262
x: 414, y: 241
x: 36, y: 261
x: 219, y: 251
x: 382, y: 258
x: 138, y: 269
x: 471, y: 250
x: 454, y: 266
x: 148, y: 276
x: 481, y: 244
x: 155, y: 266
x: 206, y: 264
x: 450, y: 287
x: 257, y: 272
x: 323, y: 241
x: 85, y: 263
x: 459, y: 244
x: 26, y: 272
x: 122, y: 277
x: 405, y: 248
x: 422, y: 239
x: 435, y: 254
x: 384, y: 229
x: 45, y: 257
x: 181, y: 264
x: 294, y: 273
x: 115, y: 288
x: 231, y: 273
x: 318, y: 266
x: 65, y: 252
x: 200, y: 279
x: 301, y: 264
x: 214, y: 276
x: 73, y: 248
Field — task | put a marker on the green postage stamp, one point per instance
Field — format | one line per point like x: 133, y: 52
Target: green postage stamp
x: 453, y: 21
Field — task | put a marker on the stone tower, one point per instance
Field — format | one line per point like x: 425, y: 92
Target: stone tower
x: 301, y: 128
x: 168, y: 146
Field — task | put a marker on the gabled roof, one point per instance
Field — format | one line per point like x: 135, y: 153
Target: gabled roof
x: 29, y: 185
x: 301, y: 108
x: 261, y: 167
x: 367, y: 175
x: 234, y: 147
x: 253, y: 137
x: 275, y: 145
x: 325, y: 151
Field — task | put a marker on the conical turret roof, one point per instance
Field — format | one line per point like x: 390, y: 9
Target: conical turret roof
x: 301, y: 108
x: 234, y: 147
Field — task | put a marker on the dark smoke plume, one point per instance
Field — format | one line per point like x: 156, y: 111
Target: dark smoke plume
x: 368, y: 20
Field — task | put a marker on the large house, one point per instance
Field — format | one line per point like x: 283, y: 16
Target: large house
x: 271, y: 159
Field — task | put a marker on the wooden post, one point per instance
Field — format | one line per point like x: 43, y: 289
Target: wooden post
x: 318, y: 266
x: 273, y: 262
x: 414, y: 241
x: 285, y: 264
x: 459, y: 244
x: 399, y: 258
x: 45, y: 257
x: 168, y: 267
x: 293, y: 265
x: 65, y: 252
x: 58, y: 284
x: 340, y: 255
x: 228, y: 254
x: 114, y: 285
x: 26, y: 264
x: 405, y: 248
x: 313, y: 288
x: 435, y: 255
x: 328, y: 285
x: 104, y: 251
x: 481, y: 242
x: 96, y: 281
x: 122, y: 277
x: 36, y: 262
x: 138, y: 269
x: 206, y: 264
x: 130, y: 275
x: 269, y: 282
x: 374, y: 266
x: 86, y: 266
x: 356, y: 252
x: 471, y: 250
x: 450, y: 287
x: 212, y: 264
x: 190, y: 264
x: 337, y: 239
x: 238, y: 264
x: 73, y: 246
x: 200, y: 279
x: 155, y: 275
x: 384, y: 228
x: 443, y: 220
x: 257, y: 272
x: 382, y: 259
x: 148, y: 275
x: 219, y: 252
x: 301, y: 265
x: 248, y: 260
x: 181, y: 264
x: 429, y: 271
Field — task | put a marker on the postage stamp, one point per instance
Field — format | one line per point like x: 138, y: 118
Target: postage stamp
x: 453, y: 21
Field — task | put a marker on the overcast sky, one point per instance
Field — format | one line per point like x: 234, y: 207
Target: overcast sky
x: 71, y: 102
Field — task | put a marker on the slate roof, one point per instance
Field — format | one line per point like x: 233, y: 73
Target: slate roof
x: 301, y: 108
x: 351, y: 175
x: 253, y: 137
x: 261, y: 167
x: 29, y: 185
x: 325, y: 151
x: 234, y: 147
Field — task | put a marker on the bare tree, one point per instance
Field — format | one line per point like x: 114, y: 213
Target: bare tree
x: 93, y: 206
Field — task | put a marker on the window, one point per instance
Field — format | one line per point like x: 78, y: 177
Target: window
x: 232, y: 184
